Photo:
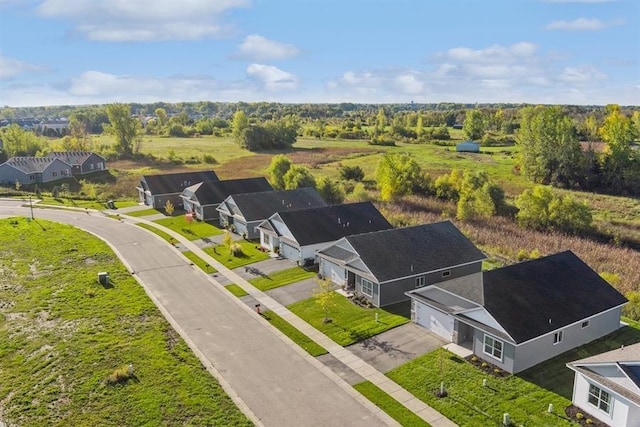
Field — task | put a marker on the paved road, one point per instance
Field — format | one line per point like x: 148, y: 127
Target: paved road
x: 280, y: 384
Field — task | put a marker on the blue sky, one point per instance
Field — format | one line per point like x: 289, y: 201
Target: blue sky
x: 58, y: 52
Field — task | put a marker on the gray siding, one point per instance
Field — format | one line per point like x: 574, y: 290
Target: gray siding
x: 240, y: 227
x: 376, y: 291
x: 160, y: 201
x: 540, y: 349
x: 92, y: 164
x: 252, y: 232
x: 9, y: 175
x: 508, y: 352
x: 209, y: 213
x: 56, y: 170
x: 393, y: 292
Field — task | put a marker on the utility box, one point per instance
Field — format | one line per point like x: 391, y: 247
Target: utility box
x: 103, y: 278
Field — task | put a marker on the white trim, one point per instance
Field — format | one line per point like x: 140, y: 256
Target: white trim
x: 362, y: 280
x: 484, y: 344
x: 602, y: 389
x: 558, y: 337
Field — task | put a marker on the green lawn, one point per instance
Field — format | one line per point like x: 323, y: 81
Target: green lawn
x: 295, y: 335
x: 62, y: 334
x: 469, y: 403
x: 194, y: 231
x: 199, y: 262
x: 250, y: 254
x: 281, y: 278
x: 236, y: 290
x: 388, y: 404
x: 350, y: 323
x: 157, y: 231
x: 145, y: 212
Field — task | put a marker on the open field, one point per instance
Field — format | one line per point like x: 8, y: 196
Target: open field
x: 62, y: 335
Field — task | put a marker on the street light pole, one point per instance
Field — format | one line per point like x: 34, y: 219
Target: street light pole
x: 31, y: 206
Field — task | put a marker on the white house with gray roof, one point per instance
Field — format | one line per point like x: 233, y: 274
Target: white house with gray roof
x: 607, y: 386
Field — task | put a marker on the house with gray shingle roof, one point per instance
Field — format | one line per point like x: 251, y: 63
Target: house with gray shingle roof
x: 607, y: 386
x: 298, y: 234
x: 383, y: 265
x: 244, y: 212
x: 82, y: 162
x: 33, y: 170
x: 520, y: 315
x: 156, y: 190
x: 204, y: 197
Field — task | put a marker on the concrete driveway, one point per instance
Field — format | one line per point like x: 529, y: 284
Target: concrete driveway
x: 397, y: 346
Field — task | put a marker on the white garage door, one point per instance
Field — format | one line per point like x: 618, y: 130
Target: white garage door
x: 333, y: 272
x: 434, y: 320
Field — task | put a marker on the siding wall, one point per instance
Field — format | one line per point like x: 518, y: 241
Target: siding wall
x: 9, y: 175
x: 624, y: 413
x: 542, y: 348
x: 508, y: 352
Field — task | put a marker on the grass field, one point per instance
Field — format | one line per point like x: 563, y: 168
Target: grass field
x: 281, y: 278
x: 62, y: 335
x: 350, y: 323
x: 192, y: 231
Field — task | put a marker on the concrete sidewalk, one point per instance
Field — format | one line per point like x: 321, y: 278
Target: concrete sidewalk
x: 343, y: 355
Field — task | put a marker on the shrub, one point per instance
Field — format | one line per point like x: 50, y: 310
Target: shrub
x: 209, y: 159
x: 236, y: 250
x: 522, y: 255
x: 120, y: 375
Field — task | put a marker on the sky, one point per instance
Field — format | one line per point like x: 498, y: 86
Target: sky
x: 71, y: 52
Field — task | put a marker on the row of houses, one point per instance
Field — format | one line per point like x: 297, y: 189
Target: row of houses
x: 515, y: 316
x: 50, y: 168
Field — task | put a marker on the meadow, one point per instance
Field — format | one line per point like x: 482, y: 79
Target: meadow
x: 67, y: 342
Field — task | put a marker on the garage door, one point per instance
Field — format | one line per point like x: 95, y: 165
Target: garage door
x: 434, y: 320
x: 333, y: 272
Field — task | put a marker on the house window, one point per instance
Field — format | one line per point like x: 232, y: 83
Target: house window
x: 585, y: 324
x: 367, y: 287
x: 420, y: 282
x: 446, y: 273
x: 599, y: 398
x: 493, y: 347
x: 55, y: 174
x: 557, y: 337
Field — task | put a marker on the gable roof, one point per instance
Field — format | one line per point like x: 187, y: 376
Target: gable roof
x: 623, y: 379
x: 329, y: 223
x: 214, y: 192
x: 172, y: 183
x: 73, y: 157
x: 261, y: 205
x: 403, y: 252
x: 30, y: 165
x: 536, y: 297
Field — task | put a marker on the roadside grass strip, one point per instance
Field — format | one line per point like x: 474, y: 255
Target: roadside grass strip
x: 196, y: 260
x: 349, y: 323
x: 281, y: 278
x: 145, y: 212
x: 388, y: 404
x: 236, y: 290
x: 157, y: 231
x: 310, y: 346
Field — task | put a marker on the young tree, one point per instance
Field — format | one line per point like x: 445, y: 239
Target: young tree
x: 298, y: 177
x: 169, y: 208
x: 398, y: 175
x: 474, y: 125
x: 419, y: 126
x: 618, y: 131
x: 279, y: 166
x: 354, y: 173
x: 239, y: 124
x: 324, y: 297
x: 125, y: 128
x: 330, y: 191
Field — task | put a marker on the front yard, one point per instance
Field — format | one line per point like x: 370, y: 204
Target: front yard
x: 192, y: 231
x: 349, y: 323
x: 249, y: 254
x: 281, y: 278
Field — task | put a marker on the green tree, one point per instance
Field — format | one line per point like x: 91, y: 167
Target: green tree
x: 161, y: 113
x: 398, y: 175
x: 324, y: 297
x: 239, y: 124
x: 474, y: 125
x: 618, y: 132
x: 280, y: 165
x: 381, y: 121
x: 354, y: 173
x: 330, y: 191
x: 541, y: 209
x: 19, y: 142
x: 298, y: 177
x: 550, y: 151
x: 125, y: 128
x: 419, y: 126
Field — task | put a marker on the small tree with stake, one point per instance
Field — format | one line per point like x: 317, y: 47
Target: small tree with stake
x: 324, y: 297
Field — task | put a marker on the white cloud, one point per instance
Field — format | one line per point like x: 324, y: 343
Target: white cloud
x: 272, y: 78
x: 582, y: 24
x: 258, y: 48
x: 10, y: 67
x: 141, y: 20
x: 586, y: 74
x: 492, y: 54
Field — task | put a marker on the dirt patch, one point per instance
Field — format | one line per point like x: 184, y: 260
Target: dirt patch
x: 172, y: 338
x: 89, y: 261
x: 582, y: 418
x: 487, y: 367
